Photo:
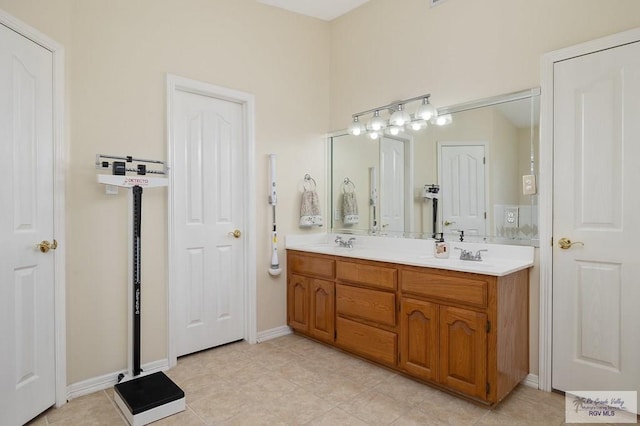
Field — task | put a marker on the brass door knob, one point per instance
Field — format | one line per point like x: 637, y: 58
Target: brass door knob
x: 236, y: 233
x: 565, y: 243
x: 45, y: 246
x: 447, y: 223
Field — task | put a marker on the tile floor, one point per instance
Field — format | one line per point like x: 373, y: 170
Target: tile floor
x: 294, y: 381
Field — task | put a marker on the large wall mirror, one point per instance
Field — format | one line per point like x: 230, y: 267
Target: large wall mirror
x: 474, y: 175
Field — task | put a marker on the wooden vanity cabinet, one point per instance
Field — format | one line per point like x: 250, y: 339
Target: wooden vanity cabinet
x: 464, y: 332
x: 311, y: 295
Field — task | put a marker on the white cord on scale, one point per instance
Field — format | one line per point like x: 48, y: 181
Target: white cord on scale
x: 373, y: 198
x: 275, y: 269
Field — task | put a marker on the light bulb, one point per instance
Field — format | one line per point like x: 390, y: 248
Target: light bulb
x: 426, y: 111
x: 376, y: 123
x: 356, y: 128
x: 400, y: 117
x: 394, y: 130
x: 442, y: 120
x: 418, y: 124
x: 374, y: 135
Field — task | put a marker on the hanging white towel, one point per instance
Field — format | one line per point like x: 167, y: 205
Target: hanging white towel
x: 310, y: 209
x: 350, y: 214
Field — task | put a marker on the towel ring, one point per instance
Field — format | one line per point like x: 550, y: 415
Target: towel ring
x: 348, y: 185
x: 309, y: 183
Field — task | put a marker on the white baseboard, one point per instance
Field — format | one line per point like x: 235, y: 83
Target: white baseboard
x: 531, y: 381
x: 263, y: 336
x: 85, y: 387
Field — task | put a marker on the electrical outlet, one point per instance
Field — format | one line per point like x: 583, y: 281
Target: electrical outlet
x: 336, y: 214
x: 529, y: 185
x: 511, y: 216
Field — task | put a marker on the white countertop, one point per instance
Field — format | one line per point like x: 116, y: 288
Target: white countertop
x: 499, y: 260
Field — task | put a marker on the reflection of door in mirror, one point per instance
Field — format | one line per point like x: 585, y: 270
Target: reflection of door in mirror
x: 391, y: 186
x: 462, y: 188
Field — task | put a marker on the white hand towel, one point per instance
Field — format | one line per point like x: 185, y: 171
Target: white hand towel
x: 350, y: 214
x: 310, y: 209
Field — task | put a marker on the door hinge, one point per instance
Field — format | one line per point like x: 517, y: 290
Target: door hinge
x: 485, y: 215
x: 488, y: 327
x: 484, y: 160
x: 335, y: 334
x: 488, y: 387
x: 551, y: 241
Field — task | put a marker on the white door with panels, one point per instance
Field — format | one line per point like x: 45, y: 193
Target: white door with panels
x: 392, y: 186
x: 596, y: 221
x: 462, y: 188
x: 27, y: 347
x: 207, y: 217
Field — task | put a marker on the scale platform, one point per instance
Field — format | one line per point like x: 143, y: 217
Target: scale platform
x: 146, y: 399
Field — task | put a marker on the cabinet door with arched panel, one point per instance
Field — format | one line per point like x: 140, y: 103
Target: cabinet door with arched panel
x: 463, y: 350
x: 419, y: 338
x: 322, y: 318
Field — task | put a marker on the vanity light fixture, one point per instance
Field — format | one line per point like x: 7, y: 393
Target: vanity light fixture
x: 426, y: 111
x: 356, y: 128
x: 399, y: 120
x: 400, y: 117
x: 376, y: 123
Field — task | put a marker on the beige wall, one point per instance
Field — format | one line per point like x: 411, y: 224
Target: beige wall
x: 308, y: 77
x: 118, y: 54
x: 459, y: 51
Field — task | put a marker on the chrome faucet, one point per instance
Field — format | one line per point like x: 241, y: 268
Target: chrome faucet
x: 461, y: 232
x: 468, y: 254
x: 342, y: 243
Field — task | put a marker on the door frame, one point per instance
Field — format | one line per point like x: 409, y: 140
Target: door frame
x: 545, y: 198
x: 60, y: 149
x: 247, y: 100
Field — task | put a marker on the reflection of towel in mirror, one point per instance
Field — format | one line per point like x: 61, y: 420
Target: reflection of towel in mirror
x: 350, y: 208
x: 310, y: 209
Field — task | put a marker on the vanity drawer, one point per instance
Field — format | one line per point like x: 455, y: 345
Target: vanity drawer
x: 314, y: 265
x: 370, y: 342
x: 449, y: 286
x: 372, y: 275
x: 372, y: 305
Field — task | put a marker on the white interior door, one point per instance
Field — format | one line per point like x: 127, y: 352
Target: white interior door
x: 462, y: 188
x: 392, y: 171
x: 27, y: 352
x: 208, y: 182
x: 596, y: 286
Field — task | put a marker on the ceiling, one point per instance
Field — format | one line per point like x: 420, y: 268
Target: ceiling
x: 326, y: 10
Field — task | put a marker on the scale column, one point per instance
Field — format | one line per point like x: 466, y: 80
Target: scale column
x: 137, y: 219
